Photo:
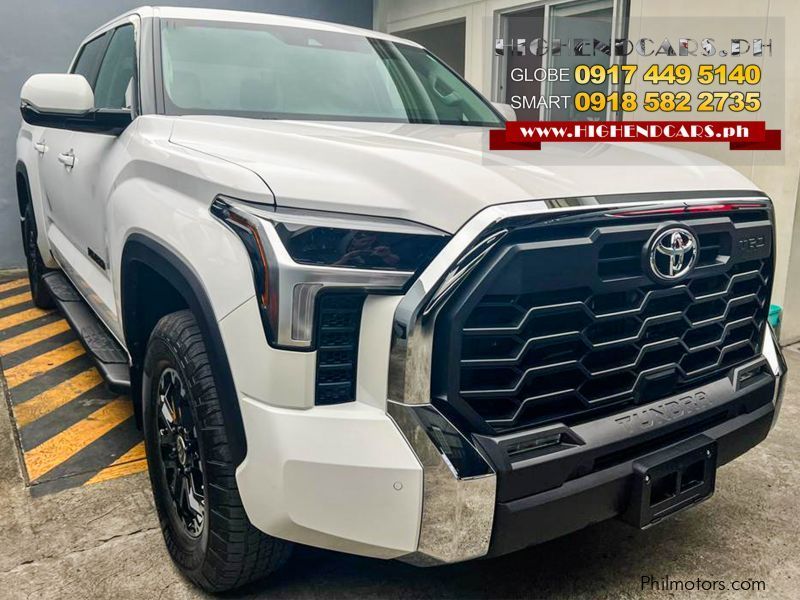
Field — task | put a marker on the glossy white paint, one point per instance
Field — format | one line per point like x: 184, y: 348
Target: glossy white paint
x: 374, y: 344
x: 165, y: 192
x: 329, y: 477
x: 58, y: 93
x: 28, y: 138
x: 329, y: 473
x: 434, y: 174
x: 145, y: 184
x: 281, y: 378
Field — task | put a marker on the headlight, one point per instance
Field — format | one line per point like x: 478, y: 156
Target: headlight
x: 296, y: 255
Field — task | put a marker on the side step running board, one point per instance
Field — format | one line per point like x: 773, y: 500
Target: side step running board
x: 108, y: 355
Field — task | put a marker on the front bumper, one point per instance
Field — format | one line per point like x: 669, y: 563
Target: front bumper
x: 408, y: 485
x: 395, y: 479
x: 530, y: 497
x: 737, y: 421
x: 530, y: 468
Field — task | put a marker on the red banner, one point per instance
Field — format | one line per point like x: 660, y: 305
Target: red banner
x: 740, y: 135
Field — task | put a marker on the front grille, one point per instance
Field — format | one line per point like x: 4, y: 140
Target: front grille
x: 338, y: 325
x: 562, y: 324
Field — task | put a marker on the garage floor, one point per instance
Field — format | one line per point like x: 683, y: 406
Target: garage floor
x: 71, y: 430
x: 86, y: 528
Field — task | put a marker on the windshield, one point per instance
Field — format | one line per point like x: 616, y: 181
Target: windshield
x: 276, y: 72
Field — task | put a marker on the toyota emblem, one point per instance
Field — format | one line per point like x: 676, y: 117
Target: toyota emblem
x: 672, y: 254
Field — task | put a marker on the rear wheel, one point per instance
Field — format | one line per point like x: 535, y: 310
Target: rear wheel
x: 205, y: 526
x: 36, y: 269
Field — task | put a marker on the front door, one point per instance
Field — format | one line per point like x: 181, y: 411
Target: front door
x: 54, y: 147
x: 81, y: 174
x: 56, y: 152
x: 89, y: 185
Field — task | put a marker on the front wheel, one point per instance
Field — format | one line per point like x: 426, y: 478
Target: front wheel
x: 204, y: 524
x: 36, y: 269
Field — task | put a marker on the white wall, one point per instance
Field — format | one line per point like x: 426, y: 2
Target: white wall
x: 780, y: 182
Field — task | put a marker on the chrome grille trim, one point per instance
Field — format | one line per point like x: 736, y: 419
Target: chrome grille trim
x: 411, y: 357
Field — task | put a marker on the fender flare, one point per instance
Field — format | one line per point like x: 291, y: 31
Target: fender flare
x: 22, y: 170
x: 162, y: 260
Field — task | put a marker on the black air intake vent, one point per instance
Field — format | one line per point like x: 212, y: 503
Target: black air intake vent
x: 338, y: 325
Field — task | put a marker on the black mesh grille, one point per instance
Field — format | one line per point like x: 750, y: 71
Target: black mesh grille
x: 561, y: 328
x: 338, y: 324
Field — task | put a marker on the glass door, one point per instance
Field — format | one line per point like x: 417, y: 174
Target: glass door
x: 581, y: 24
x: 573, y: 22
x: 522, y: 25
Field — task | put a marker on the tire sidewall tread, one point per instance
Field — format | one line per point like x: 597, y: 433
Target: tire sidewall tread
x: 231, y: 551
x: 36, y: 268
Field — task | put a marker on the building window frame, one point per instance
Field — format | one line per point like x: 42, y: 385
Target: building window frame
x: 620, y: 17
x: 404, y: 33
x: 440, y: 17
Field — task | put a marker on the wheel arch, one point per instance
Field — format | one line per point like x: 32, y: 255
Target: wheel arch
x: 23, y: 188
x: 142, y: 259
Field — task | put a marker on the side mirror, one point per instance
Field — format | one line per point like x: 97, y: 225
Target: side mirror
x: 66, y: 101
x: 509, y: 114
x: 58, y: 93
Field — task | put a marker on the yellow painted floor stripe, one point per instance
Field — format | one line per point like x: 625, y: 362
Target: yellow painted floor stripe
x: 117, y: 471
x: 48, y: 455
x: 21, y: 317
x: 29, y: 411
x: 14, y: 300
x: 41, y: 364
x: 12, y: 285
x: 29, y: 338
x: 129, y: 463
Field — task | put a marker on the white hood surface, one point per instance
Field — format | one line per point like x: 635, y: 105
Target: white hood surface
x: 436, y: 174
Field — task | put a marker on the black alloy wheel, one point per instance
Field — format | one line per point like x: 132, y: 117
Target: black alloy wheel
x: 180, y: 452
x: 204, y: 523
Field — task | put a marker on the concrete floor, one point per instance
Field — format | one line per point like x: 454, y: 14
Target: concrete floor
x: 103, y: 542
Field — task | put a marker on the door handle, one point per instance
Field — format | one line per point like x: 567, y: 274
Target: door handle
x: 40, y: 147
x: 67, y: 159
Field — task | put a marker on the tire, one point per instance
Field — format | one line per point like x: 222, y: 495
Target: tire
x: 188, y: 451
x: 36, y: 269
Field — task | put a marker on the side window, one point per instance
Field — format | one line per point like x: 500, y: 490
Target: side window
x: 91, y: 54
x: 114, y: 88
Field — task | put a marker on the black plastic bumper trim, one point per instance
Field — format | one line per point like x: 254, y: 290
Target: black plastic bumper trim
x: 603, y: 443
x: 605, y: 494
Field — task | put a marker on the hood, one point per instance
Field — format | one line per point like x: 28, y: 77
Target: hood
x: 438, y: 175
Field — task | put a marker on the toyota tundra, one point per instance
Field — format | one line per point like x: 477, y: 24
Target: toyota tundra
x: 344, y: 322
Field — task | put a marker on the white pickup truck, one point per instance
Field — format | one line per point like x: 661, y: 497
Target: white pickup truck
x: 343, y: 322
